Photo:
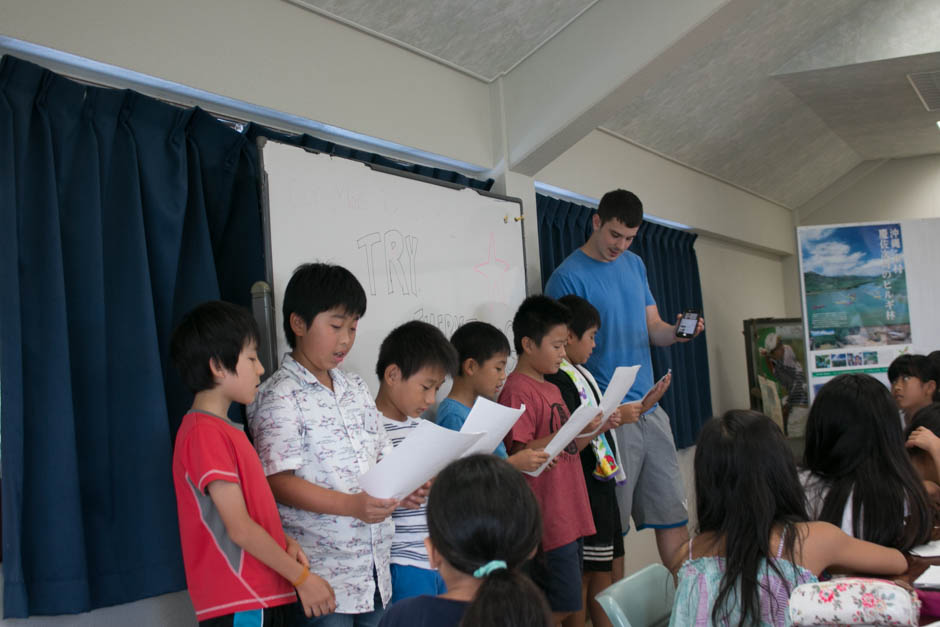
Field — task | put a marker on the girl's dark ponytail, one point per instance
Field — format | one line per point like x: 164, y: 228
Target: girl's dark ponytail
x: 507, y: 598
x: 484, y: 520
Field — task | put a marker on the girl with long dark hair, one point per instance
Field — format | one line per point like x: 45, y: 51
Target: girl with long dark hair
x: 857, y: 474
x: 754, y: 544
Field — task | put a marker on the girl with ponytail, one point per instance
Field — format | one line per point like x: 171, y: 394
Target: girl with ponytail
x: 483, y: 522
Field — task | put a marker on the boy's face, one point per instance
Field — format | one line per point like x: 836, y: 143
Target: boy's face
x: 910, y: 393
x: 546, y: 356
x: 324, y: 343
x: 242, y: 385
x: 488, y: 377
x: 412, y: 396
x: 579, y: 349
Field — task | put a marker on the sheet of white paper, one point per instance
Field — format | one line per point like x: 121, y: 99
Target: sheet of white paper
x: 931, y: 549
x: 420, y: 456
x: 491, y: 419
x: 569, y: 431
x: 620, y: 384
x: 930, y: 578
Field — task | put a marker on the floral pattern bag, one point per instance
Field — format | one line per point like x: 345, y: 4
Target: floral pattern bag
x: 853, y: 601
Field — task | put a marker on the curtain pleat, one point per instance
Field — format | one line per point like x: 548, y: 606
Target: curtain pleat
x: 672, y: 270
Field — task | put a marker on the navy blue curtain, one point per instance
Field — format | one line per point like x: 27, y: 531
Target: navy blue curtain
x: 118, y: 213
x: 672, y: 268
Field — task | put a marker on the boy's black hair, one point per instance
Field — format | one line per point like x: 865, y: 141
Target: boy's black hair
x: 536, y: 316
x: 913, y: 366
x: 413, y: 346
x: 621, y: 205
x: 584, y: 315
x: 213, y: 330
x: 478, y: 341
x: 318, y: 287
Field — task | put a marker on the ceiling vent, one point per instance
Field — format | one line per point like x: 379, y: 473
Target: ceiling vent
x: 927, y: 86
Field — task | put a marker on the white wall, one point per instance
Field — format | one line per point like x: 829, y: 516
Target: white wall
x: 273, y: 54
x: 897, y: 189
x: 737, y: 284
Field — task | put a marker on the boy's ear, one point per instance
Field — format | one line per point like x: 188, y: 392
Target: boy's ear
x: 572, y: 337
x: 392, y: 374
x: 469, y: 366
x: 216, y: 368
x: 930, y: 387
x: 297, y: 325
x: 528, y: 345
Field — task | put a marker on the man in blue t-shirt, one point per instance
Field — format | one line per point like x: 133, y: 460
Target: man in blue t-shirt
x: 613, y: 279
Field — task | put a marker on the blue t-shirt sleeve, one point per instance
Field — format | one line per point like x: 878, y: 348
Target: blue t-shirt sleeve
x: 451, y: 414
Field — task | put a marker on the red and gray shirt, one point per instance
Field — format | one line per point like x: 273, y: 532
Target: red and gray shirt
x: 221, y: 577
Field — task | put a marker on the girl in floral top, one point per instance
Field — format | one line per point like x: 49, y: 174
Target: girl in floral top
x: 754, y: 543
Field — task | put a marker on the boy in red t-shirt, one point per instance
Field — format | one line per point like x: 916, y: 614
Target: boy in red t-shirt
x: 540, y: 330
x: 240, y: 567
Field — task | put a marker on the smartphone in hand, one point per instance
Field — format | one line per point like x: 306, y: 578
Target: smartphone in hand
x: 686, y: 326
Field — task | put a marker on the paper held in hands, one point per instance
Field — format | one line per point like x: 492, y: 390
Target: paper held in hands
x: 620, y: 384
x: 491, y: 419
x: 419, y: 457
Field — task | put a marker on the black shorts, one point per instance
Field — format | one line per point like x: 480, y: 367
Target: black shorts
x: 558, y: 574
x: 607, y: 542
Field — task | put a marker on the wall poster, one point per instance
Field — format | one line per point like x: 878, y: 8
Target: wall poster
x: 865, y: 287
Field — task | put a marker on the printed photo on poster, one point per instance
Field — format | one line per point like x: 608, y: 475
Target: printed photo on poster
x: 855, y: 286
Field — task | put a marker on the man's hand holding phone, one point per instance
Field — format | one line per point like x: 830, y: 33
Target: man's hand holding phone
x: 689, y: 324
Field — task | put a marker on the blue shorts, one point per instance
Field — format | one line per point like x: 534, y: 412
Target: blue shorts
x: 558, y: 574
x: 411, y: 581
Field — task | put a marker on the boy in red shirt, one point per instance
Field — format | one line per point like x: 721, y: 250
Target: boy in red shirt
x: 240, y: 567
x: 540, y: 332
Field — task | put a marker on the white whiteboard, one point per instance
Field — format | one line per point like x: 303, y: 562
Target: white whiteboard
x: 421, y: 250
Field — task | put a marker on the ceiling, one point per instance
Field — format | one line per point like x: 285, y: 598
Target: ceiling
x: 787, y: 99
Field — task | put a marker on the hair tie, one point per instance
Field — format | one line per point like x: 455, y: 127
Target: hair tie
x: 489, y: 567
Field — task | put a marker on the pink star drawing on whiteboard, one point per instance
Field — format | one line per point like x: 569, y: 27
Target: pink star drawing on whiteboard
x: 498, y: 266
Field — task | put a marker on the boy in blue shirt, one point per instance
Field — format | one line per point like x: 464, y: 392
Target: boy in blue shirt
x: 413, y: 361
x: 482, y: 352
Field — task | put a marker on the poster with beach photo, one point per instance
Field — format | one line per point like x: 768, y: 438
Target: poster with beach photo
x: 855, y: 284
x: 868, y: 295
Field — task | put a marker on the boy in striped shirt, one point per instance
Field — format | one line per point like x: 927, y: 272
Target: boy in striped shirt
x: 413, y: 361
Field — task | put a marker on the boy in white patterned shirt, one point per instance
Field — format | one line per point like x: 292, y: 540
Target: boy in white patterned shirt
x: 413, y: 361
x: 316, y: 430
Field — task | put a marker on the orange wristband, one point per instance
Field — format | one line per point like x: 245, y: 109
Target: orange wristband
x: 302, y: 578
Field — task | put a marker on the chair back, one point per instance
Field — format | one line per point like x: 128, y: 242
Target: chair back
x: 644, y: 599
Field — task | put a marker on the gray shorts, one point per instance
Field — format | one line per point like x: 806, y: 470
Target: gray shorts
x: 653, y: 493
